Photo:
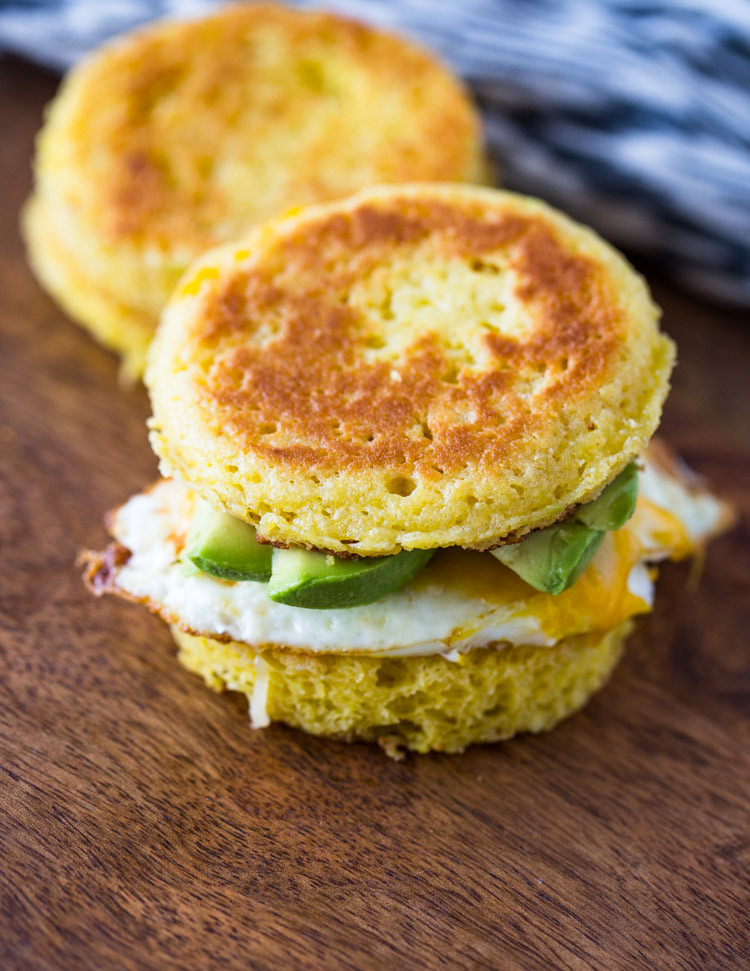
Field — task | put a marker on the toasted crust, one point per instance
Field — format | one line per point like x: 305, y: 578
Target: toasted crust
x: 415, y: 367
x: 183, y: 135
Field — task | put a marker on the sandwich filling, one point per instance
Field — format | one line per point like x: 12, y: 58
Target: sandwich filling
x: 460, y: 600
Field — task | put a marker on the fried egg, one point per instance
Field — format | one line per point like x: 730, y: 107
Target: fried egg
x: 462, y: 600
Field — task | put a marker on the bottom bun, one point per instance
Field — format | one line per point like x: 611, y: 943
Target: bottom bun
x: 418, y: 703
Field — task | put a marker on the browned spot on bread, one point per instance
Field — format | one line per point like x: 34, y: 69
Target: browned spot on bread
x: 286, y: 351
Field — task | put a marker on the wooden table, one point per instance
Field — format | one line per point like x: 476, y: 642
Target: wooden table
x: 144, y: 825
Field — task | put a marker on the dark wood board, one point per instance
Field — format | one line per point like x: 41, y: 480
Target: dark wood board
x: 144, y: 825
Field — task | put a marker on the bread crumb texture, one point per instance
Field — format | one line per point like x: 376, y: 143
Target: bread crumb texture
x: 420, y: 704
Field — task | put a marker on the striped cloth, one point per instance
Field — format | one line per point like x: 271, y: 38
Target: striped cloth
x: 633, y: 116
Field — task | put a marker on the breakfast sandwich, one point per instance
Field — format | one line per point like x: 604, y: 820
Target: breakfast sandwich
x: 185, y: 134
x: 409, y: 493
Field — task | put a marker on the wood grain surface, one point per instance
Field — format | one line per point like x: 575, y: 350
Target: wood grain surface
x: 144, y: 825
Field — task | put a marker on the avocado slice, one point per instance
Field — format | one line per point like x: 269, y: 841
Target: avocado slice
x: 226, y: 547
x: 615, y: 504
x: 301, y: 578
x: 552, y: 559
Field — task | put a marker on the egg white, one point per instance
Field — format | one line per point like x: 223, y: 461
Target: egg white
x: 420, y: 619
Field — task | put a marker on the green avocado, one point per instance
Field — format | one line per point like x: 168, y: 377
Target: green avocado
x: 226, y: 547
x: 301, y: 578
x: 552, y: 559
x: 614, y: 505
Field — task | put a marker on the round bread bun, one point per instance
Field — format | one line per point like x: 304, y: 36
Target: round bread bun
x: 417, y: 703
x: 182, y: 135
x: 415, y: 367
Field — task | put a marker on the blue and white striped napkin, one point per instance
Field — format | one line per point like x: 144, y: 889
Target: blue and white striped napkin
x: 633, y: 116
